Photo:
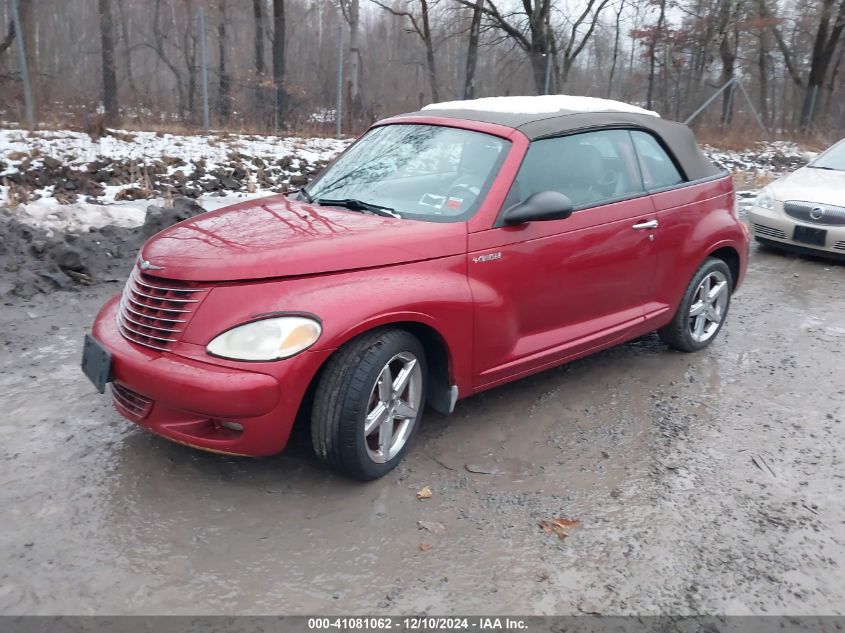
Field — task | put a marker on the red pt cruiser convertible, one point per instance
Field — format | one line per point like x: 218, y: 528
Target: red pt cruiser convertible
x: 446, y: 252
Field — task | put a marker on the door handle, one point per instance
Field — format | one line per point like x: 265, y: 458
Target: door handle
x: 650, y: 224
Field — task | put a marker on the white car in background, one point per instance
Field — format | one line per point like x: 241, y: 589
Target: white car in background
x: 805, y: 211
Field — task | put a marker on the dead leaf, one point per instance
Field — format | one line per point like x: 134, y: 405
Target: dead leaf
x: 590, y: 608
x: 559, y: 526
x: 425, y: 493
x: 432, y: 526
x: 424, y: 547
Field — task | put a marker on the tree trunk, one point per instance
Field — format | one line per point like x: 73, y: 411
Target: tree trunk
x: 727, y: 74
x: 25, y: 12
x: 540, y: 45
x: 763, y: 69
x: 429, y: 51
x: 10, y: 37
x: 615, y: 49
x: 223, y: 87
x: 279, y: 62
x: 472, y: 51
x: 831, y: 86
x: 652, y: 54
x: 107, y: 61
x: 258, y: 101
x: 356, y: 105
x: 258, y: 14
x: 127, y: 49
x: 823, y: 49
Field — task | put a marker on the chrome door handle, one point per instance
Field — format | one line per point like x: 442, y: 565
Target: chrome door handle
x: 651, y: 224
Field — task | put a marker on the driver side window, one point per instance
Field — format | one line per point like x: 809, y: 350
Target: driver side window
x: 589, y: 168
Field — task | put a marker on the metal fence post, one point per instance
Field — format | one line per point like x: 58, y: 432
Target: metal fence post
x: 751, y: 106
x: 548, y: 73
x: 27, y: 90
x: 203, y: 69
x: 338, y: 113
x: 712, y: 98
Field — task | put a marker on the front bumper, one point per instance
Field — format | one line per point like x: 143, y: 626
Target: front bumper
x: 773, y: 225
x: 195, y: 402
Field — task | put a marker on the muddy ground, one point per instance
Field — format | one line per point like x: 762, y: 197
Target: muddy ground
x: 704, y: 483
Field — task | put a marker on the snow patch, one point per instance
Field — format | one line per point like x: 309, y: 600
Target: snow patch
x: 80, y: 217
x: 542, y: 104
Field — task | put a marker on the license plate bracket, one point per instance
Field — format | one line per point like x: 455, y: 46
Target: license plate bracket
x: 96, y: 363
x: 809, y: 235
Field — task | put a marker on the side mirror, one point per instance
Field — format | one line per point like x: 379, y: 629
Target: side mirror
x: 544, y: 205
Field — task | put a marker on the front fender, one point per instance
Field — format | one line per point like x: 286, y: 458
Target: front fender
x: 434, y: 293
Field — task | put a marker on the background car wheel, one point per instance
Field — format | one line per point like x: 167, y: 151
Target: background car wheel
x: 368, y: 403
x: 703, y: 308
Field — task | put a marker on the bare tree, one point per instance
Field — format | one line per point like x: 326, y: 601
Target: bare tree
x: 223, y: 85
x: 831, y: 25
x: 107, y: 61
x: 9, y: 38
x: 472, y: 50
x: 656, y: 35
x: 352, y: 12
x: 159, y: 46
x: 127, y: 47
x: 421, y: 25
x: 579, y: 34
x: 279, y: 33
x: 617, y: 31
x: 528, y: 27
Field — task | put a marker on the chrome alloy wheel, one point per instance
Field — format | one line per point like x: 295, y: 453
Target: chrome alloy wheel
x: 394, y: 407
x: 709, y: 305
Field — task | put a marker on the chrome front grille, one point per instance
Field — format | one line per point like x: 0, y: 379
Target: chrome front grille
x: 154, y: 312
x: 769, y: 231
x: 132, y: 405
x: 815, y: 213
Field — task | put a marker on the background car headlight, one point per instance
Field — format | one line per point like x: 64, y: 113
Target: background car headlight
x: 267, y: 339
x: 765, y: 199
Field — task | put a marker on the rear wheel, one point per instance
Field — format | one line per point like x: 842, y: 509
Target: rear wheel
x: 703, y: 308
x: 369, y: 402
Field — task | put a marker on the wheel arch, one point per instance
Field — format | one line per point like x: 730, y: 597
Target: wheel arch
x: 439, y: 357
x: 730, y: 256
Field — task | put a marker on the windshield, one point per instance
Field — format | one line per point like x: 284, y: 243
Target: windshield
x: 421, y: 172
x: 833, y: 158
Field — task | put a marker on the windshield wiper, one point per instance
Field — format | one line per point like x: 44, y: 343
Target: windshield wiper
x: 304, y: 193
x: 824, y: 167
x: 359, y: 205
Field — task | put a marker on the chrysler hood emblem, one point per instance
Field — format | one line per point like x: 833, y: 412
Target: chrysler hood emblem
x: 145, y: 265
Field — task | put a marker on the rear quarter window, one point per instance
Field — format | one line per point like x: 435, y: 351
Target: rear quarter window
x: 658, y: 168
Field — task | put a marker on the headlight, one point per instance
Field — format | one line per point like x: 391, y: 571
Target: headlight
x: 267, y: 339
x: 765, y: 199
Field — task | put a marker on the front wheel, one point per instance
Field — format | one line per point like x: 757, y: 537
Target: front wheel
x: 368, y: 403
x: 703, y: 308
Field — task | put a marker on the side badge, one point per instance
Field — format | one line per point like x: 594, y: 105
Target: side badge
x: 489, y: 257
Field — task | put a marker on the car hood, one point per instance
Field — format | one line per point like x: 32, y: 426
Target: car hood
x: 812, y: 185
x: 279, y: 237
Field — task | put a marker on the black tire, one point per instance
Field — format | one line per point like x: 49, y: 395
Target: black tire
x: 677, y: 333
x: 343, y: 395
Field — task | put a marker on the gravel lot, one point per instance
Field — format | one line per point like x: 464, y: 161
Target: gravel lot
x: 705, y: 483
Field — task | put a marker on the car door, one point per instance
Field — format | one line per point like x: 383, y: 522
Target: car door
x: 545, y: 291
